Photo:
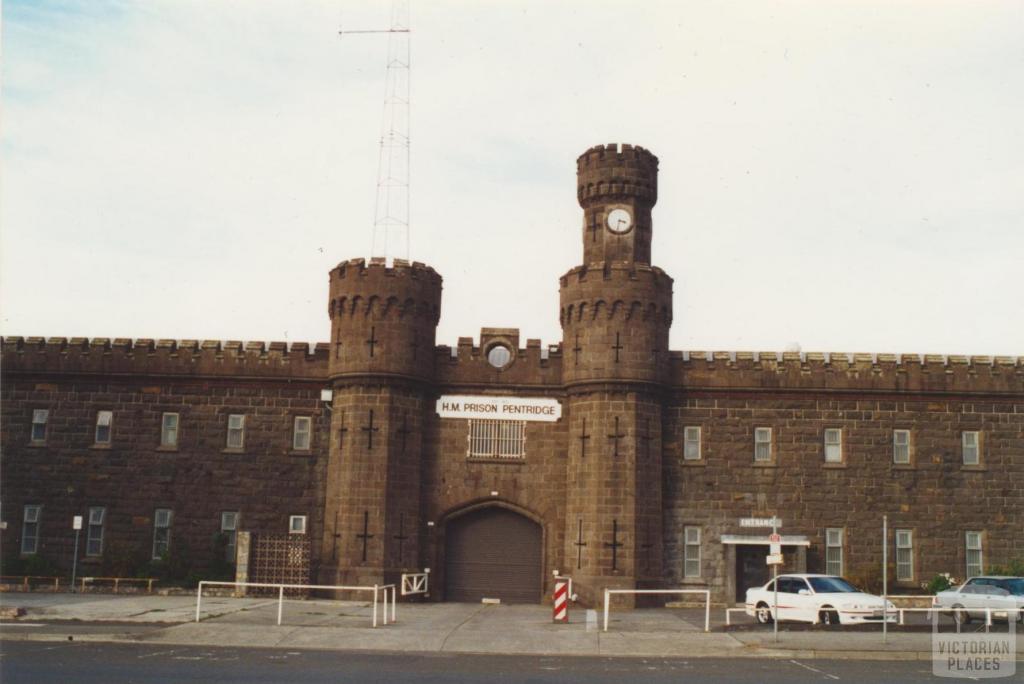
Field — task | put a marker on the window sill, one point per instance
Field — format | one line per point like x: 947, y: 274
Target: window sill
x: 517, y: 460
x: 37, y: 445
x: 834, y: 466
x: 168, y: 449
x: 693, y: 580
x: 232, y: 450
x: 300, y: 452
x: 904, y: 466
x: 695, y: 462
x: 973, y: 468
x: 101, y: 447
x: 765, y: 464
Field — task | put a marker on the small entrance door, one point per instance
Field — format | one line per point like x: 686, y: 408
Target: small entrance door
x: 493, y: 553
x: 751, y: 569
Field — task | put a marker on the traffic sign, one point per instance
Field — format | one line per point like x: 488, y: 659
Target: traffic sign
x: 775, y: 549
x: 774, y: 539
x: 774, y: 559
x: 76, y: 522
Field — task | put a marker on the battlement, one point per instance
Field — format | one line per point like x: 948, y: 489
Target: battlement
x: 466, y: 363
x: 606, y: 272
x: 164, y: 357
x: 843, y: 370
x: 617, y: 171
x: 377, y: 268
x: 375, y: 290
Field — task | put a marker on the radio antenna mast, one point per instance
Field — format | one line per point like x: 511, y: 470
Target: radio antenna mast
x: 391, y: 206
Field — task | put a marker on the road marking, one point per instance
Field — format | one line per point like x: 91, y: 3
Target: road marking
x: 807, y: 667
x: 159, y: 653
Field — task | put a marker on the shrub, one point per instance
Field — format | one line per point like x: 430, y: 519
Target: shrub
x: 940, y: 582
x: 1015, y: 568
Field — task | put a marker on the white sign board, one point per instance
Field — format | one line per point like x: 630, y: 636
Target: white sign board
x: 76, y: 524
x: 760, y: 522
x: 774, y: 559
x: 499, y: 408
x: 775, y: 549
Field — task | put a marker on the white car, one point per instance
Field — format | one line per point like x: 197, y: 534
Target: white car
x: 826, y: 599
x: 1002, y: 595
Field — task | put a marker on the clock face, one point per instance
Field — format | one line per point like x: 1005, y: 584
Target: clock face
x: 619, y: 221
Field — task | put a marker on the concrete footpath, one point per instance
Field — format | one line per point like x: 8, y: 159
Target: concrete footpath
x: 160, y: 621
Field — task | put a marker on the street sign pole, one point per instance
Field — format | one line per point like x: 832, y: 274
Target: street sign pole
x: 77, y: 525
x: 885, y: 578
x: 775, y: 585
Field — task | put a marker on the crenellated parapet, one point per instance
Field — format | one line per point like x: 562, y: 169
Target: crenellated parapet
x: 615, y: 171
x: 383, y: 319
x: 841, y: 371
x: 150, y: 357
x: 466, y: 365
x: 615, y: 322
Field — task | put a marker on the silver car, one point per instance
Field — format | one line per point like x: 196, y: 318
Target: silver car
x: 1002, y: 595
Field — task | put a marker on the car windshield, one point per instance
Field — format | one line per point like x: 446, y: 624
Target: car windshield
x: 831, y: 585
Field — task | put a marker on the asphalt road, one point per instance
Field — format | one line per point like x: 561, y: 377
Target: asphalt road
x: 87, y: 663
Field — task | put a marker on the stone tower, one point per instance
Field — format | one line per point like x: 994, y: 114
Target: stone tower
x: 383, y: 326
x: 616, y: 310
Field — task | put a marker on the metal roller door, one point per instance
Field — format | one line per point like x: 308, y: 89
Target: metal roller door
x: 493, y: 553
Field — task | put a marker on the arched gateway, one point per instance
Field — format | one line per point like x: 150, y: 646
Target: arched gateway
x: 493, y: 552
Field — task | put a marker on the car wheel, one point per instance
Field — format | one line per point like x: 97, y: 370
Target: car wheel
x: 828, y: 617
x: 763, y: 614
x: 961, y: 616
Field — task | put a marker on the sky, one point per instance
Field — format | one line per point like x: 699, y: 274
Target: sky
x: 834, y: 176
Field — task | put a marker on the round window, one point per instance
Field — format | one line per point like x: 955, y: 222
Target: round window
x: 499, y: 356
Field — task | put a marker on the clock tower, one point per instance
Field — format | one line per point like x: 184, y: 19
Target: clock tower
x: 616, y: 310
x: 617, y: 187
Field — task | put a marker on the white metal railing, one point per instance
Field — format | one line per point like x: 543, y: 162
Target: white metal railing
x: 497, y: 438
x: 415, y: 583
x: 706, y: 592
x: 376, y: 589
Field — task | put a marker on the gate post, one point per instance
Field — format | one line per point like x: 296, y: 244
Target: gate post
x: 561, y: 602
x: 242, y: 546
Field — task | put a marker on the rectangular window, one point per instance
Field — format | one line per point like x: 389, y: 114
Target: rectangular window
x: 161, y: 532
x: 236, y: 431
x: 169, y: 430
x: 691, y: 444
x: 691, y: 552
x: 833, y: 445
x: 301, y: 433
x: 104, y: 420
x: 901, y: 446
x: 904, y: 555
x: 974, y: 567
x: 834, y: 551
x: 40, y: 417
x: 229, y: 528
x: 762, y: 444
x: 971, y: 448
x: 497, y: 438
x: 297, y: 524
x: 30, y: 529
x: 94, y: 535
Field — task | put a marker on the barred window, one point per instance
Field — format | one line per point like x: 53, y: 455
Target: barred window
x: 970, y: 448
x: 834, y: 551
x: 40, y: 417
x: 161, y: 532
x: 103, y: 423
x: 169, y: 430
x: 30, y: 529
x: 691, y: 552
x: 236, y: 431
x: 833, y: 445
x: 497, y: 439
x: 974, y: 566
x: 904, y: 555
x: 229, y: 528
x: 901, y: 446
x: 691, y: 443
x: 301, y: 433
x: 94, y: 535
x: 762, y: 444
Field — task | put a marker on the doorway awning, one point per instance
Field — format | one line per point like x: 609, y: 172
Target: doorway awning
x: 787, y: 539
